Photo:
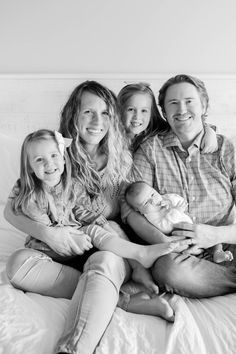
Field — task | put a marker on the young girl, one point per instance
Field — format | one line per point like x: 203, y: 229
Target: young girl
x: 47, y: 193
x: 141, y: 117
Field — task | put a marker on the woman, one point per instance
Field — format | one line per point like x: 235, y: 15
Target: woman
x: 101, y: 161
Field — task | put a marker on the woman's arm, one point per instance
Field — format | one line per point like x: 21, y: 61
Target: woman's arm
x: 60, y: 239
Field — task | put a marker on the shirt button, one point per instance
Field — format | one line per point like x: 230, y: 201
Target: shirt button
x: 193, y: 198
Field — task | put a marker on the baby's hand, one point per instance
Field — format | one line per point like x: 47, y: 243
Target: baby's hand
x: 83, y: 242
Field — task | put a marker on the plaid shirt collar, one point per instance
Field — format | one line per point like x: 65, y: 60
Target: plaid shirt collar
x: 171, y: 140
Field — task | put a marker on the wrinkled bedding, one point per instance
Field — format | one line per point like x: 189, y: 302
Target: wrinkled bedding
x: 31, y: 323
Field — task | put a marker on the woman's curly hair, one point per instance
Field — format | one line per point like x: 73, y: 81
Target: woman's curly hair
x: 114, y: 145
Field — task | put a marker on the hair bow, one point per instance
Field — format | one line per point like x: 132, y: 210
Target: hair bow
x: 62, y: 142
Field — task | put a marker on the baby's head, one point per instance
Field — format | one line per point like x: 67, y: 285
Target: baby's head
x: 142, y: 197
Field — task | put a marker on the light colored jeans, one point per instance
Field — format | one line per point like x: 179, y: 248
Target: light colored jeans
x: 195, y: 276
x: 95, y: 292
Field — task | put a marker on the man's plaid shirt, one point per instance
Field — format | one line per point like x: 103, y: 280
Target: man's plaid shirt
x: 206, y: 181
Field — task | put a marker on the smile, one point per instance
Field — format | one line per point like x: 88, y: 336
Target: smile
x: 183, y: 118
x: 136, y: 124
x: 50, y: 172
x: 94, y: 131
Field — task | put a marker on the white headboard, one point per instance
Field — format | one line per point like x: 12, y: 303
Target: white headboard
x: 30, y: 102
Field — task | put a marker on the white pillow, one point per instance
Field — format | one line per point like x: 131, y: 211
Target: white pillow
x: 10, y: 164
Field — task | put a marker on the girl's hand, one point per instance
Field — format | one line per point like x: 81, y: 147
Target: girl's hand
x: 83, y: 241
x: 203, y: 236
x: 62, y: 240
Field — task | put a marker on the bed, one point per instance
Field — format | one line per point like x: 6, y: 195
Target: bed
x: 31, y: 323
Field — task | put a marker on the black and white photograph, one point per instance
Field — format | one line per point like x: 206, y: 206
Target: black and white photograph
x: 118, y: 180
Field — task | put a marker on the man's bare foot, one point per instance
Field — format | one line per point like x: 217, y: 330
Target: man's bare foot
x: 142, y: 303
x: 142, y: 276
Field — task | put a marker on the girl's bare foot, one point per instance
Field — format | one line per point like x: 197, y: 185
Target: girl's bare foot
x: 142, y: 303
x: 148, y: 254
x: 142, y: 276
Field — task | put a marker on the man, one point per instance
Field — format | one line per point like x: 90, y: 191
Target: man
x: 172, y: 162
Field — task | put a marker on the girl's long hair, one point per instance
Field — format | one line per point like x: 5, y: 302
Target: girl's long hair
x: 156, y: 124
x: 114, y: 145
x: 30, y: 187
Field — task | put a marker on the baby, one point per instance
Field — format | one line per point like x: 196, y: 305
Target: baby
x: 164, y: 211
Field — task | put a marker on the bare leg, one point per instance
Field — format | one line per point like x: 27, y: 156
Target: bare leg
x: 146, y: 255
x: 142, y: 303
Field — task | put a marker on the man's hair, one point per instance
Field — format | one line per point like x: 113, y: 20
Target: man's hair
x: 178, y: 79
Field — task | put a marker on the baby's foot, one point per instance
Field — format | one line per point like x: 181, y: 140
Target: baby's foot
x: 143, y: 276
x: 222, y: 256
x: 155, y: 306
x: 148, y: 254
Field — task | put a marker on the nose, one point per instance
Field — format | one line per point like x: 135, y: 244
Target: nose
x: 97, y: 117
x: 136, y: 114
x: 182, y: 108
x: 48, y: 162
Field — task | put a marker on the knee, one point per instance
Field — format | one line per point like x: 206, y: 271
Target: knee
x: 172, y: 270
x: 17, y: 259
x: 109, y: 265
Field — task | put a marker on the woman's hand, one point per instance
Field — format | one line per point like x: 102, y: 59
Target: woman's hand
x: 203, y: 236
x: 64, y: 241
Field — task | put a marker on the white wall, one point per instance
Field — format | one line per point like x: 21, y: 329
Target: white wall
x: 118, y: 36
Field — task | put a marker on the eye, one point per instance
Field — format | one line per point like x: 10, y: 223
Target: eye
x: 55, y: 155
x: 189, y: 101
x: 144, y: 110
x: 39, y: 160
x: 105, y: 113
x: 130, y: 109
x: 87, y: 111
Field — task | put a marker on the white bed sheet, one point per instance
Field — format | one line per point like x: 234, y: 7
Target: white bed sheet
x: 32, y: 324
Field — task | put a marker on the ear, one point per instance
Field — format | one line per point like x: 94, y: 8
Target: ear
x: 204, y: 107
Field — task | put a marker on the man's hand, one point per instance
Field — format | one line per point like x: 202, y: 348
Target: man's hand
x: 203, y: 236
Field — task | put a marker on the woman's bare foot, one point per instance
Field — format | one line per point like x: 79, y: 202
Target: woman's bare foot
x: 148, y: 254
x: 142, y: 303
x: 142, y: 276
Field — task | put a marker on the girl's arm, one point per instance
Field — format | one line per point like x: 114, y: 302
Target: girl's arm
x: 60, y: 239
x: 209, y: 142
